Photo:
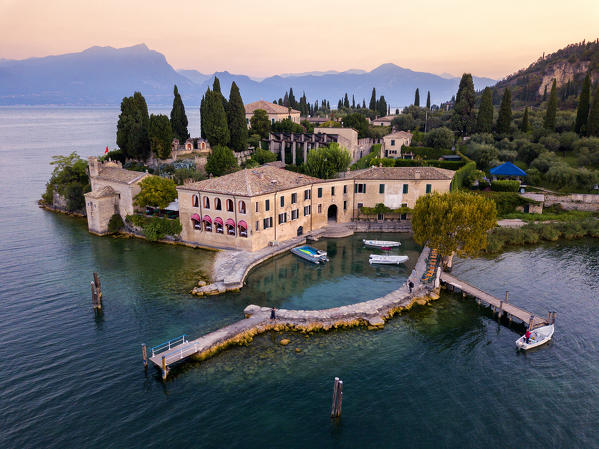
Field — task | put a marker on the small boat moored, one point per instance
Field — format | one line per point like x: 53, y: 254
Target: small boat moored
x: 538, y: 336
x: 389, y: 260
x: 313, y: 255
x: 386, y: 244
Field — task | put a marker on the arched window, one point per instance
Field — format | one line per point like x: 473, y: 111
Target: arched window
x: 218, y: 225
x: 206, y: 202
x: 242, y: 227
x: 230, y: 226
x: 195, y: 200
x: 217, y: 204
x: 207, y: 223
x: 197, y: 222
x: 242, y: 207
x: 230, y: 205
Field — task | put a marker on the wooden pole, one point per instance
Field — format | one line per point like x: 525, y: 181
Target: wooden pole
x: 98, y: 285
x: 553, y: 319
x: 339, y: 398
x: 530, y: 321
x: 548, y: 317
x: 500, y: 309
x: 334, y: 404
x: 164, y: 368
x: 95, y: 301
x: 144, y: 354
x: 507, y: 295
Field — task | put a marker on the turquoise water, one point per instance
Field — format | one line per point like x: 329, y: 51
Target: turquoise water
x: 443, y: 375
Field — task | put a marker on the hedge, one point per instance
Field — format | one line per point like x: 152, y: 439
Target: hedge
x: 462, y: 175
x: 505, y: 186
x: 427, y: 153
x: 450, y: 165
x: 155, y: 228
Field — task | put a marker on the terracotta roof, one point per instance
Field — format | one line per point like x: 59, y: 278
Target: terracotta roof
x: 251, y: 182
x: 103, y: 192
x: 116, y: 174
x: 400, y: 134
x: 399, y: 173
x: 386, y: 118
x: 269, y: 107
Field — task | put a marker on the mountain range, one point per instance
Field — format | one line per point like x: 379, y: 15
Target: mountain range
x: 104, y: 75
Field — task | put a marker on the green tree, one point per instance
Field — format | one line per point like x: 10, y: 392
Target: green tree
x: 440, y: 138
x: 70, y: 180
x: 286, y: 126
x: 372, y: 105
x: 428, y: 100
x: 156, y: 192
x: 550, y: 115
x: 463, y: 118
x: 524, y: 125
x: 214, y: 119
x: 584, y: 101
x: 263, y: 156
x: 382, y: 106
x: 484, y: 121
x: 179, y: 118
x: 132, y: 127
x: 417, y: 98
x: 455, y: 222
x: 504, y: 120
x: 161, y: 135
x: 326, y: 162
x: 222, y: 161
x: 216, y: 89
x: 292, y: 102
x: 259, y: 123
x: 358, y: 122
x: 346, y: 101
x: 236, y: 120
x: 593, y: 121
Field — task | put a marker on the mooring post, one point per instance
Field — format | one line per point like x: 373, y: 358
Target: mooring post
x: 500, y: 309
x: 98, y: 286
x: 334, y: 404
x: 548, y: 317
x: 95, y: 301
x: 144, y: 354
x: 532, y: 318
x: 507, y: 295
x: 164, y: 368
x: 339, y: 398
x: 553, y: 319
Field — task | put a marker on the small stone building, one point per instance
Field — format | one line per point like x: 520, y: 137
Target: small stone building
x: 275, y: 112
x: 393, y: 142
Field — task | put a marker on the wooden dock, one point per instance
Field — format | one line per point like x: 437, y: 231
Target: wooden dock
x: 499, y: 306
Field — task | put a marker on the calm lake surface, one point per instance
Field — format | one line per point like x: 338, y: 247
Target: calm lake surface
x: 443, y: 375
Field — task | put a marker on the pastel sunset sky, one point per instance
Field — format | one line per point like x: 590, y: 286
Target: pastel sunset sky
x: 266, y: 37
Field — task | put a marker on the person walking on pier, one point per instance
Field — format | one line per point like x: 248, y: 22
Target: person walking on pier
x: 410, y: 285
x: 273, y: 313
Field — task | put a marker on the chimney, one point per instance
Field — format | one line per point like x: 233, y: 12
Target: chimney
x: 417, y: 175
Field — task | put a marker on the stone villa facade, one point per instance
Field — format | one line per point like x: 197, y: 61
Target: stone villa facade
x: 275, y: 112
x: 393, y: 142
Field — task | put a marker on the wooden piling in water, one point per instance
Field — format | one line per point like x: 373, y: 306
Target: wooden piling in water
x: 98, y: 286
x: 337, y: 398
x: 164, y: 368
x: 144, y: 354
x: 507, y: 295
x: 500, y: 310
x: 95, y: 299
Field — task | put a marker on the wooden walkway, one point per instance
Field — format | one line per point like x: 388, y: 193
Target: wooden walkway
x: 499, y: 306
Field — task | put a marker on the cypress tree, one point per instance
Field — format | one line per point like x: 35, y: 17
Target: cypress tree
x: 179, y: 118
x: 280, y: 103
x: 428, y: 100
x: 524, y: 125
x: 582, y: 112
x: 593, y: 121
x: 484, y: 121
x: 286, y: 100
x: 346, y: 101
x: 417, y: 98
x: 216, y: 89
x: 339, y: 105
x: 363, y: 103
x: 545, y: 93
x: 504, y: 120
x: 132, y: 127
x: 382, y: 106
x: 161, y: 135
x: 463, y: 119
x: 292, y: 102
x: 214, y: 119
x: 551, y: 109
x: 353, y: 102
x: 238, y: 129
x: 202, y: 111
x: 372, y: 105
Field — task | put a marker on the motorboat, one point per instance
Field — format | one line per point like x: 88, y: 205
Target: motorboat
x: 538, y: 336
x: 386, y: 244
x: 311, y: 254
x: 389, y: 260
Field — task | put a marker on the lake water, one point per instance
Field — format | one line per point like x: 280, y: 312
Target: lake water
x: 443, y: 375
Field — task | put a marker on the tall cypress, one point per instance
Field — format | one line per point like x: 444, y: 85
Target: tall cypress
x: 132, y: 127
x: 417, y: 98
x: 238, y: 129
x: 551, y: 109
x: 428, y: 100
x: 179, y: 118
x: 214, y: 119
x: 346, y: 101
x: 504, y: 120
x: 382, y: 106
x: 372, y: 105
x: 202, y: 111
x: 593, y: 121
x: 524, y: 125
x: 363, y: 103
x: 216, y: 89
x: 463, y: 119
x: 353, y: 102
x: 292, y: 102
x: 484, y: 121
x: 582, y: 112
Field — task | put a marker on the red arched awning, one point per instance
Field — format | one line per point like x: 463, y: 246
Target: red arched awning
x: 242, y: 224
x: 207, y: 218
x: 230, y: 222
x: 196, y: 217
x: 218, y: 220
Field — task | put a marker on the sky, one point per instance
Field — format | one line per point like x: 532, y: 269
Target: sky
x: 265, y: 37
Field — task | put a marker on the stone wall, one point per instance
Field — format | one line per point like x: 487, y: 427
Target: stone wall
x: 575, y: 201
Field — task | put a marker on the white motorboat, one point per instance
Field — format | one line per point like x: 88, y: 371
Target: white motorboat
x: 538, y: 336
x: 381, y: 243
x: 389, y: 260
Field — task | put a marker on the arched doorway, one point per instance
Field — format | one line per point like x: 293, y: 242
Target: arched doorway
x: 332, y: 213
x: 300, y: 231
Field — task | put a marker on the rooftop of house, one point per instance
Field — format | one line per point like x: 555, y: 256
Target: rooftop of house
x: 399, y: 134
x: 270, y: 108
x: 105, y: 191
x: 386, y: 118
x: 400, y: 173
x: 252, y: 182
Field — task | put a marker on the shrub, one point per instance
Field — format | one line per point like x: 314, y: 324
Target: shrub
x: 462, y: 175
x: 115, y: 224
x: 263, y: 156
x: 440, y: 138
x: 427, y: 152
x: 505, y: 186
x: 507, y: 202
x: 221, y: 161
x: 155, y: 228
x: 549, y: 232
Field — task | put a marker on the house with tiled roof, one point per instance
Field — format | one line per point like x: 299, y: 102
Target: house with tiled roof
x: 275, y: 112
x: 393, y: 142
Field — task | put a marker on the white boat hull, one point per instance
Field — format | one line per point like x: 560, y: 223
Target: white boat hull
x: 387, y: 260
x: 381, y: 243
x: 538, y: 337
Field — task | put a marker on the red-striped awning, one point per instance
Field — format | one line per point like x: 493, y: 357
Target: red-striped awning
x: 242, y: 224
x: 218, y: 220
x: 196, y: 217
x: 207, y: 218
x: 230, y: 222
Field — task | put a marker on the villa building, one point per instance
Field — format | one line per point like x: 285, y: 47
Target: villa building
x: 275, y: 112
x: 393, y: 142
x: 383, y: 121
x: 253, y: 208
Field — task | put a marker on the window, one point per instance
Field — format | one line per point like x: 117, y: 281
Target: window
x: 267, y: 222
x: 360, y: 188
x: 293, y: 198
x: 267, y: 205
x: 219, y: 226
x: 283, y: 218
x: 195, y: 200
x: 333, y: 191
x: 282, y: 201
x: 307, y: 194
x: 242, y: 207
x: 429, y: 187
x: 217, y: 204
x: 381, y: 188
x: 294, y: 214
x: 307, y: 210
x: 380, y: 217
x: 257, y: 208
x: 320, y: 192
x: 345, y: 205
x: 272, y: 120
x: 405, y: 188
x: 320, y: 208
x: 207, y: 202
x: 344, y: 189
x: 230, y: 205
x: 257, y: 228
x: 392, y: 142
x: 360, y: 205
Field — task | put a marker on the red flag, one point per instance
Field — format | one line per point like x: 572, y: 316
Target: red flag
x: 106, y: 150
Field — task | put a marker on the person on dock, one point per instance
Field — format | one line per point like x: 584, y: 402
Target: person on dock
x: 273, y: 313
x: 410, y: 285
x: 527, y: 336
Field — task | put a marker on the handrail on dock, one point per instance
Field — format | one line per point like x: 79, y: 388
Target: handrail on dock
x: 166, y: 346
